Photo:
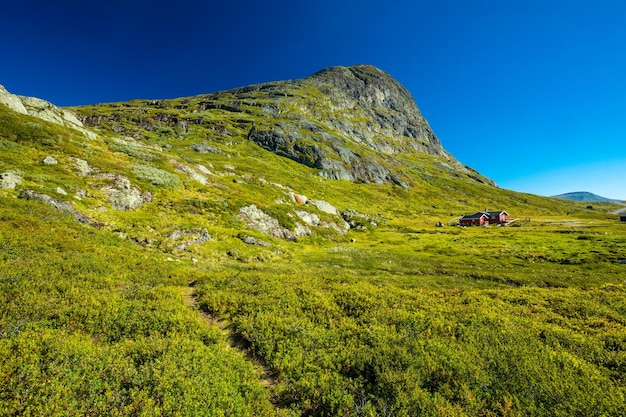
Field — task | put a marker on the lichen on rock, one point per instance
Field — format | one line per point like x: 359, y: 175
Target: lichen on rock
x: 256, y: 219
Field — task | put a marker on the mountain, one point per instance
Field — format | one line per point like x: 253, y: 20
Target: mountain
x: 285, y: 249
x: 351, y: 123
x: 585, y: 197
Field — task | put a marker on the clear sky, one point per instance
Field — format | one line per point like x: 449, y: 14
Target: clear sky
x: 530, y: 93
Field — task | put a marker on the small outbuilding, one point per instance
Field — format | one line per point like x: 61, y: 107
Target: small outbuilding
x: 622, y: 216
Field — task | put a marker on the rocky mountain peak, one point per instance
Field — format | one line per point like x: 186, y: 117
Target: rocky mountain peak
x: 395, y: 117
x: 352, y: 123
x: 367, y: 84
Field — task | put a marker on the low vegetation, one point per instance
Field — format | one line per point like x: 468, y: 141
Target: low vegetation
x: 397, y: 317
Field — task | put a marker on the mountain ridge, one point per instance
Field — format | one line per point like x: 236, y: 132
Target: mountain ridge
x: 350, y: 123
x: 585, y: 196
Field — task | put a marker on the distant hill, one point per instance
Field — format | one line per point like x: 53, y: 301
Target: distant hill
x: 585, y: 197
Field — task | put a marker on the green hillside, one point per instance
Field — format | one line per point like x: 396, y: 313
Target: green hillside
x: 274, y: 250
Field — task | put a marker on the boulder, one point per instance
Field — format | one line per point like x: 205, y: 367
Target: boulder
x: 9, y: 180
x: 49, y: 160
x: 122, y: 194
x: 298, y: 198
x: 256, y: 219
x: 206, y: 148
x: 254, y: 241
x: 324, y: 206
x: 83, y: 167
x: 309, y: 218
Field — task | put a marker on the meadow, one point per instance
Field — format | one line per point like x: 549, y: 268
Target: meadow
x: 398, y: 317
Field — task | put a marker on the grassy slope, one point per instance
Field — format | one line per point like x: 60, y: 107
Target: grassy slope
x: 407, y: 319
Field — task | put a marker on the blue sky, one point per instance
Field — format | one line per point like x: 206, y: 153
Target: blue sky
x: 546, y: 80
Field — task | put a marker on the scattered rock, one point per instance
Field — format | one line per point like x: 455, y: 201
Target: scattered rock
x: 324, y: 206
x: 61, y: 206
x: 258, y: 220
x: 398, y: 181
x: 190, y: 172
x: 301, y: 230
x: 254, y: 241
x: 122, y: 194
x: 298, y: 198
x: 341, y: 230
x: 198, y: 237
x: 204, y: 170
x: 229, y: 166
x: 622, y: 262
x: 49, y: 160
x: 9, y: 180
x: 309, y: 218
x: 439, y: 224
x: 61, y: 191
x: 206, y: 148
x: 83, y: 167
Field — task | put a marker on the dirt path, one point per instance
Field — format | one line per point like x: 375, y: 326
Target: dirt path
x: 230, y: 339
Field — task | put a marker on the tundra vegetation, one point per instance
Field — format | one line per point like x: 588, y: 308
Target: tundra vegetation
x: 175, y: 308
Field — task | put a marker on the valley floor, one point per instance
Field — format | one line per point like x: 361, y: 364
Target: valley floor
x: 525, y: 320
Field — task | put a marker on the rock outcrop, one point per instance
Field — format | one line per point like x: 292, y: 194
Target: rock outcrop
x: 61, y: 206
x: 43, y: 110
x: 122, y: 194
x: 255, y: 218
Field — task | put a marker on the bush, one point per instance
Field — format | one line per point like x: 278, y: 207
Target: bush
x: 156, y: 176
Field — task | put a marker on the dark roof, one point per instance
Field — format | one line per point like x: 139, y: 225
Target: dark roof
x: 473, y: 216
x: 493, y: 213
x: 622, y: 214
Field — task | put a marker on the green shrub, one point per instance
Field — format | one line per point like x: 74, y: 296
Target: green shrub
x: 133, y: 151
x: 156, y: 176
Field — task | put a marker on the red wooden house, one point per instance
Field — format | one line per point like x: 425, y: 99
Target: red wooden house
x: 484, y: 218
x: 477, y: 219
x: 496, y: 216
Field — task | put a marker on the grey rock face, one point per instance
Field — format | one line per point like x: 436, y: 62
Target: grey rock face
x: 49, y: 160
x: 257, y: 219
x: 392, y: 123
x: 122, y: 194
x: 362, y: 117
x: 43, y: 110
x: 59, y: 205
